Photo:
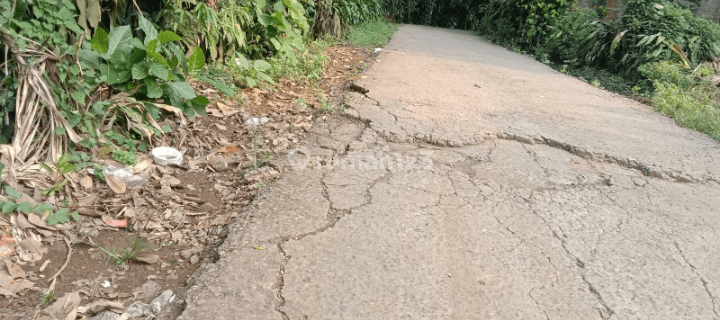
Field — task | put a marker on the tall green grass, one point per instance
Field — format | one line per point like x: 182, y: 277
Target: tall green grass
x: 373, y: 33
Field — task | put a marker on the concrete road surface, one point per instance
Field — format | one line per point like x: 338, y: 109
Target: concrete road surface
x: 472, y: 182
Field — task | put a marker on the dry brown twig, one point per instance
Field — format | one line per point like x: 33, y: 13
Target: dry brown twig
x: 67, y: 260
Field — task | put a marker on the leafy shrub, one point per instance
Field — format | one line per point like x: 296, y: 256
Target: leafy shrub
x: 333, y: 17
x: 651, y: 31
x: 373, y: 33
x: 687, y: 97
x: 253, y: 28
x: 565, y: 32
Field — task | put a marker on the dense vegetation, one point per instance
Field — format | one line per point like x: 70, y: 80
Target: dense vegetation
x: 92, y: 76
x: 634, y: 54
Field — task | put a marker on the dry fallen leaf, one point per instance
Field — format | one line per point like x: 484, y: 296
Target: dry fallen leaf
x: 86, y: 182
x: 14, y: 270
x: 116, y: 184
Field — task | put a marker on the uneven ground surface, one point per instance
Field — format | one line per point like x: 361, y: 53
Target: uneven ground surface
x: 181, y: 213
x: 470, y: 182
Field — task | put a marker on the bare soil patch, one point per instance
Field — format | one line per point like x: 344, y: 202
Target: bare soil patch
x: 182, y: 212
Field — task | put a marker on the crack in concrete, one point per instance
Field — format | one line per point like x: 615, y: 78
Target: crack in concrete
x: 538, y: 304
x: 280, y: 284
x: 702, y: 279
x: 606, y: 312
x: 652, y: 171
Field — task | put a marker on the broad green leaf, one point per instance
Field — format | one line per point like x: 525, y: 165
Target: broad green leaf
x: 61, y: 216
x: 137, y: 56
x: 90, y: 58
x: 265, y: 19
x: 199, y: 109
x: 175, y: 49
x: 242, y: 61
x: 174, y: 63
x: 75, y: 215
x: 197, y: 60
x: 60, y: 131
x: 151, y: 47
x: 263, y: 76
x: 12, y: 193
x: 261, y: 65
x: 168, y: 36
x: 182, y: 89
x: 115, y: 76
x: 100, y: 42
x: 25, y: 207
x: 250, y: 82
x: 78, y: 96
x: 139, y: 71
x: 152, y: 53
x: 148, y: 28
x: 200, y: 101
x: 120, y: 39
x: 44, y: 208
x: 159, y: 70
x: 8, y: 207
x: 153, y: 89
x: 138, y: 44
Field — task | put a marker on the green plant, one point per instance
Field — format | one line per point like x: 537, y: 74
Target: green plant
x: 56, y: 188
x: 635, y: 91
x: 333, y: 17
x: 692, y: 100
x: 651, y: 31
x: 47, y: 298
x: 596, y: 84
x: 62, y: 216
x: 126, y: 252
x: 372, y: 33
x: 565, y: 32
x: 44, y: 209
x: 250, y: 73
x: 259, y: 158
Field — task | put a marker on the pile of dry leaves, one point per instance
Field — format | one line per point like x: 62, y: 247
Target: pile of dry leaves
x: 145, y: 229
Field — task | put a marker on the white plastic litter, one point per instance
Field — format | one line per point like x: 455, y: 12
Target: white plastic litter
x: 131, y: 180
x: 166, y: 156
x: 106, y: 284
x: 255, y: 121
x: 378, y: 50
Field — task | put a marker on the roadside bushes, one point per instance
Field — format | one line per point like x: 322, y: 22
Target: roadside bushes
x: 70, y: 84
x: 333, y: 17
x: 688, y: 97
x: 651, y: 31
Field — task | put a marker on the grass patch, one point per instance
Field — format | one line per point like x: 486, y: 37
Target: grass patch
x: 687, y: 97
x: 126, y: 252
x: 373, y: 33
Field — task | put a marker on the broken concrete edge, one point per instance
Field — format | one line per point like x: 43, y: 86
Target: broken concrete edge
x: 646, y: 168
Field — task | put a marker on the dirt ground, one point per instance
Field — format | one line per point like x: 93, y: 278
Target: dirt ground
x: 181, y: 214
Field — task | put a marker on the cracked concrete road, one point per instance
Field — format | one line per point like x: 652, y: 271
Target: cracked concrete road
x: 522, y: 194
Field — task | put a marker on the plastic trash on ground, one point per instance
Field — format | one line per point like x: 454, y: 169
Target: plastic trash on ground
x: 255, y: 121
x: 7, y: 245
x: 131, y: 180
x: 378, y: 50
x: 164, y: 156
